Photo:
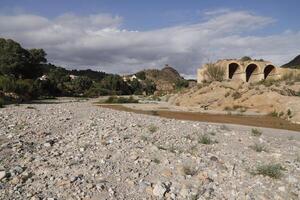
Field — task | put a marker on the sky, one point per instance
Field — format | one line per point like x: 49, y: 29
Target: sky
x: 124, y: 36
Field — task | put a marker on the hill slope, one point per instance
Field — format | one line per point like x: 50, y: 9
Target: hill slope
x: 295, y: 63
x: 166, y: 79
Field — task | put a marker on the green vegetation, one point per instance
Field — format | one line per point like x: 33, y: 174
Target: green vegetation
x: 152, y: 128
x: 246, y: 58
x: 114, y: 99
x: 181, y: 84
x: 258, y: 147
x: 26, y: 75
x: 214, y: 72
x: 256, y: 132
x: 205, y: 139
x: 271, y: 170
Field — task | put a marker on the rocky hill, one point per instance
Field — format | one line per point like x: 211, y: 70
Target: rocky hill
x: 166, y: 79
x: 295, y: 63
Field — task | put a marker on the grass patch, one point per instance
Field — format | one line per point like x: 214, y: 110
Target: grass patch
x: 258, y: 147
x: 114, y: 99
x: 256, y: 132
x: 152, y: 128
x: 205, y: 139
x: 270, y: 170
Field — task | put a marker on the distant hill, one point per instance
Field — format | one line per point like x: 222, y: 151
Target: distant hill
x: 294, y: 64
x: 166, y: 79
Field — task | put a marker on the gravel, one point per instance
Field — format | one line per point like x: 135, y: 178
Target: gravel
x: 71, y: 149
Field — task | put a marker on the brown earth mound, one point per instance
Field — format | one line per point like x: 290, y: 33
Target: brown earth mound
x: 279, y: 99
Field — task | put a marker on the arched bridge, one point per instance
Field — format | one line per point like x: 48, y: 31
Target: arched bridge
x: 248, y: 71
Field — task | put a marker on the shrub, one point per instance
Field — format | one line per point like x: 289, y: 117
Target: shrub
x: 271, y: 170
x: 236, y: 95
x: 214, y: 72
x: 289, y: 113
x: 114, y: 99
x: 205, y: 139
x: 274, y: 113
x: 179, y: 84
x: 152, y: 128
x: 258, y: 147
x: 246, y: 58
x: 256, y: 132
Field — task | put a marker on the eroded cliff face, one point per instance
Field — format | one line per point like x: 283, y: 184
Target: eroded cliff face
x: 279, y: 99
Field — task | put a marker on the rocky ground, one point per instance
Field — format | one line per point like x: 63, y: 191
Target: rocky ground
x: 75, y: 150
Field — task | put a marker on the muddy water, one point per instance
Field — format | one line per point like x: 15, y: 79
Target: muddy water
x: 259, y: 121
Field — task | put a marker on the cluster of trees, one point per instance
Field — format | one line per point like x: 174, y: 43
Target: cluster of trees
x: 21, y: 69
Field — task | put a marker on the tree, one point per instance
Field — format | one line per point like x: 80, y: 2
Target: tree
x: 214, y: 72
x: 37, y: 56
x: 246, y: 58
x: 13, y: 58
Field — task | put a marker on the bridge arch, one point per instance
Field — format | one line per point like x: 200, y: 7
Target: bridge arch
x: 251, y: 70
x: 269, y: 70
x: 233, y: 68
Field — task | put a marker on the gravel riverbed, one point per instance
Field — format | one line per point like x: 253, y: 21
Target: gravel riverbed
x: 71, y: 149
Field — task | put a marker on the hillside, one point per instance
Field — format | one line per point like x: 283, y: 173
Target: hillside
x: 294, y: 64
x: 278, y: 99
x: 166, y: 79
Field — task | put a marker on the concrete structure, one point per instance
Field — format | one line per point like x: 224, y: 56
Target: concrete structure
x: 248, y: 71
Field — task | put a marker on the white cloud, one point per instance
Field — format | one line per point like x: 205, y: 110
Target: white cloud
x: 98, y: 42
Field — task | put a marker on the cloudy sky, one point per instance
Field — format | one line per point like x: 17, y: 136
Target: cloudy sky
x: 128, y: 35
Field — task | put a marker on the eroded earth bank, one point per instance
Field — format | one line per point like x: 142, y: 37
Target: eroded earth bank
x: 75, y: 150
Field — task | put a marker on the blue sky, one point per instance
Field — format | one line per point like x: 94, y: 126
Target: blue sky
x: 146, y: 15
x: 189, y: 20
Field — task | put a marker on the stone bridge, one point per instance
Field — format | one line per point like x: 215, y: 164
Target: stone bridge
x: 248, y: 71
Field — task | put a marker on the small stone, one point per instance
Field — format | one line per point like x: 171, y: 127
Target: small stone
x: 291, y: 179
x: 282, y: 189
x: 47, y: 144
x: 2, y: 175
x: 159, y: 190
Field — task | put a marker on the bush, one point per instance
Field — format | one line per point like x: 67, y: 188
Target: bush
x: 271, y: 170
x: 246, y: 58
x: 205, y: 139
x: 114, y: 99
x: 181, y: 84
x: 214, y: 72
x: 236, y: 95
x: 258, y: 147
x: 152, y: 128
x: 256, y: 132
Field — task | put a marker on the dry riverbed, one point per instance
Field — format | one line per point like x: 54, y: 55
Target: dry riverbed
x: 67, y: 149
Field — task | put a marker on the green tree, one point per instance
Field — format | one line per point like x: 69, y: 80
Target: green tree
x: 13, y: 58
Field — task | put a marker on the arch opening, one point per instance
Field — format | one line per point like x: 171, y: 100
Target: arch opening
x: 269, y: 71
x: 232, y: 69
x: 252, y: 68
